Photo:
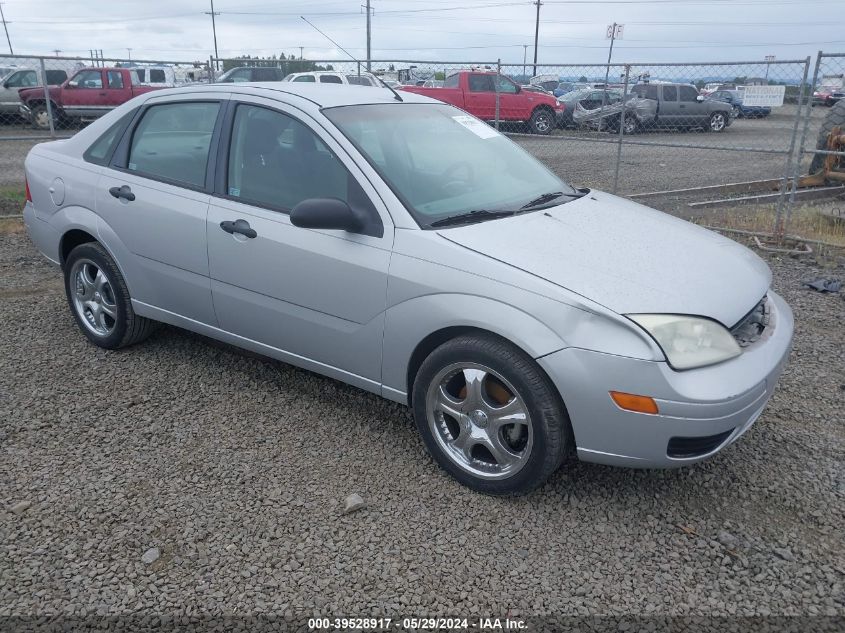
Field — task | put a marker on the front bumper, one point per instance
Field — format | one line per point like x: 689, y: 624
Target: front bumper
x: 719, y: 402
x: 25, y: 111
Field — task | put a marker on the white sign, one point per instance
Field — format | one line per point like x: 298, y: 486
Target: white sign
x: 769, y: 58
x: 479, y: 128
x: 614, y: 31
x: 766, y: 96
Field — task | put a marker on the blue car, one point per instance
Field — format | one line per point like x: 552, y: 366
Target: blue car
x: 738, y: 109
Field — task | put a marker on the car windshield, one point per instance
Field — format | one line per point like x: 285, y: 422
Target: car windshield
x: 442, y: 162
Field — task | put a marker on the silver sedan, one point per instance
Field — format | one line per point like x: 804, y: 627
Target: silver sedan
x: 402, y: 246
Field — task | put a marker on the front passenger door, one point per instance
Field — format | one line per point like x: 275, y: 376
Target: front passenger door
x: 314, y: 298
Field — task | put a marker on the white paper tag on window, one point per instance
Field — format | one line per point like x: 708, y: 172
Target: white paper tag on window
x: 480, y: 129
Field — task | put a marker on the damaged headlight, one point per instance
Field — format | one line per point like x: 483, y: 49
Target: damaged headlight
x: 689, y: 342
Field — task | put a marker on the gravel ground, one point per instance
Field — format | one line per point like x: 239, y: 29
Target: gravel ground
x: 235, y: 469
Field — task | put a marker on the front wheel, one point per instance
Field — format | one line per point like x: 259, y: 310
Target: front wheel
x: 40, y: 117
x: 489, y: 415
x: 718, y: 122
x: 542, y: 121
x: 99, y: 299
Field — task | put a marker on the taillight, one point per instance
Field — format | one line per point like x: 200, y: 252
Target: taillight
x: 28, y: 194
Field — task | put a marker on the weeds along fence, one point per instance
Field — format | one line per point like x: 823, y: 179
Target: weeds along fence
x: 712, y: 146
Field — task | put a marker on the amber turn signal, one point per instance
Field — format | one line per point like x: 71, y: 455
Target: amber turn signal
x: 631, y: 402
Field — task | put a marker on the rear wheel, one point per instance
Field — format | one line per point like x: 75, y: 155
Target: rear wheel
x: 489, y: 415
x: 40, y: 117
x: 99, y: 299
x: 542, y: 121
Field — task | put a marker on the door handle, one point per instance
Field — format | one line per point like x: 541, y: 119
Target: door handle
x: 238, y: 226
x: 122, y: 192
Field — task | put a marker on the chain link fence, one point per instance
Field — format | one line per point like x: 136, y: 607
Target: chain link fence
x: 690, y: 139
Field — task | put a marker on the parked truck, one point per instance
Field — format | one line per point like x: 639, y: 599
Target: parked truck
x: 662, y: 106
x: 475, y: 92
x: 20, y: 78
x: 87, y: 95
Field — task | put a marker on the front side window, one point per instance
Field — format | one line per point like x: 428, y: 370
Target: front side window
x: 277, y: 162
x: 330, y: 79
x: 22, y: 79
x: 115, y: 79
x: 442, y: 162
x: 91, y: 79
x: 506, y: 86
x: 172, y: 141
x: 688, y: 93
x: 481, y: 83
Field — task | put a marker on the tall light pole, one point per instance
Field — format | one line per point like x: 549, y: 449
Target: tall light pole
x: 369, y: 35
x: 769, y: 60
x: 129, y: 54
x: 524, y: 56
x: 536, y: 35
x: 6, y: 28
x: 300, y: 52
x: 213, y: 13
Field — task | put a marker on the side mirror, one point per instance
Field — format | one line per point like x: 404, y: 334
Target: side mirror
x: 326, y: 213
x: 699, y: 98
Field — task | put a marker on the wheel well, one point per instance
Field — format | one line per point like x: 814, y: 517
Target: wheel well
x: 545, y: 107
x: 71, y: 240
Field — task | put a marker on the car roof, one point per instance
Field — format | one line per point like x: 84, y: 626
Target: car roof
x: 321, y: 95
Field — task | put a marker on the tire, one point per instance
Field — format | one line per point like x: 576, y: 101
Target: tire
x: 484, y: 378
x: 834, y: 118
x: 542, y: 121
x: 40, y: 117
x: 99, y: 299
x: 718, y: 122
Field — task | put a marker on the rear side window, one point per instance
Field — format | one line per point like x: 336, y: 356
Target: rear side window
x: 670, y: 93
x: 172, y: 141
x: 305, y: 78
x: 101, y: 150
x: 265, y: 74
x: 157, y: 76
x: 357, y: 80
x: 115, y: 79
x: 330, y: 79
x: 56, y: 77
x: 451, y: 81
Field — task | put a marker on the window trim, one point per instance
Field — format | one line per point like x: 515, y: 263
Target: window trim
x: 125, y: 121
x: 120, y: 157
x: 374, y: 228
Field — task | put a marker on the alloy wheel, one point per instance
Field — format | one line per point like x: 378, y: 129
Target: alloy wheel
x: 93, y: 297
x: 717, y: 122
x: 479, y: 421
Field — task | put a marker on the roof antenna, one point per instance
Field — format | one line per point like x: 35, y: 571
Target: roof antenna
x: 358, y: 61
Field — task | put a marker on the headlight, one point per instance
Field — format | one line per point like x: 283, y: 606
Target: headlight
x: 687, y: 341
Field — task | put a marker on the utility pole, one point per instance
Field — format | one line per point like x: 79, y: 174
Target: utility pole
x: 369, y: 35
x: 6, y: 28
x: 129, y: 53
x: 57, y: 51
x: 300, y: 52
x: 524, y: 57
x: 213, y: 13
x: 536, y: 35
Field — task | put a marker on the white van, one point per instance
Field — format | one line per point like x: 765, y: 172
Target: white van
x: 335, y: 77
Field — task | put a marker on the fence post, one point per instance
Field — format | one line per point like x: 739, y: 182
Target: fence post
x: 791, y: 167
x: 498, y: 74
x: 800, y: 155
x: 621, y: 128
x: 47, y: 97
x: 210, y: 69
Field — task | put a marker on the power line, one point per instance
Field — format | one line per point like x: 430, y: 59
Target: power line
x: 6, y: 28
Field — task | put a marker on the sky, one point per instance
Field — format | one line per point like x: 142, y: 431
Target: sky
x: 571, y: 31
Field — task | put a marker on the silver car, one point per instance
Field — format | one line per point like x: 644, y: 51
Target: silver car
x: 402, y: 246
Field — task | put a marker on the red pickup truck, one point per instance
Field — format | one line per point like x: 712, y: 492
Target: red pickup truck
x: 475, y: 92
x: 87, y: 95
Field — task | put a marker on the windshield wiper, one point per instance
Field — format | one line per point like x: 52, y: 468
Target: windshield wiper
x: 472, y: 216
x: 548, y: 197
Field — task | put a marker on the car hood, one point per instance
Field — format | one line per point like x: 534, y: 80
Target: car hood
x: 626, y: 257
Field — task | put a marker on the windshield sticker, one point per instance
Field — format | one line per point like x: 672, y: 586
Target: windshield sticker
x: 481, y: 130
x: 133, y: 166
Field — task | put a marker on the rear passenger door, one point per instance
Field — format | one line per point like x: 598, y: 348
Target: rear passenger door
x: 155, y: 194
x: 480, y: 96
x: 315, y: 298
